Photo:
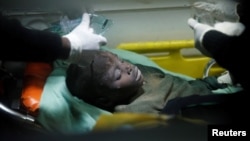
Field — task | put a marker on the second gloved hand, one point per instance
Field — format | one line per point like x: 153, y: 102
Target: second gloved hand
x: 199, y: 31
x: 83, y: 38
x: 227, y: 28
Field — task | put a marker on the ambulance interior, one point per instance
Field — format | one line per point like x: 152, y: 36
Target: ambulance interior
x: 135, y: 29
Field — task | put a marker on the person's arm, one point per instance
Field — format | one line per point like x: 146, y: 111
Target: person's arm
x: 224, y: 48
x: 21, y: 44
x: 225, y: 43
x: 230, y: 52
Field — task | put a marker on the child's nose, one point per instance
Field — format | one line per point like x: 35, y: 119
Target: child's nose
x: 129, y: 69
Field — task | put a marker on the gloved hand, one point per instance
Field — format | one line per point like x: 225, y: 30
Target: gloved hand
x: 199, y: 31
x: 228, y: 28
x: 83, y: 37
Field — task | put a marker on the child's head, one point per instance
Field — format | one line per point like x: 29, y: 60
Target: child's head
x: 105, y: 81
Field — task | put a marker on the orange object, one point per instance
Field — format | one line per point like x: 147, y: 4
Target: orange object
x: 34, y: 80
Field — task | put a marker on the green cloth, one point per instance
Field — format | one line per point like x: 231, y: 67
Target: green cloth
x: 61, y: 112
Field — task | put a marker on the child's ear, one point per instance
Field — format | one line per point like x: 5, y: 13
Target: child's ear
x: 104, y: 102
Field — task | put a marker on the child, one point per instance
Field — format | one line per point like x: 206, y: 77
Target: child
x: 102, y: 79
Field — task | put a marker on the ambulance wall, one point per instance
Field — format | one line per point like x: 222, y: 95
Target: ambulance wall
x: 146, y: 20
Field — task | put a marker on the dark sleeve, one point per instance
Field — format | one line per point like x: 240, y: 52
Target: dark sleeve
x: 230, y: 52
x: 21, y: 44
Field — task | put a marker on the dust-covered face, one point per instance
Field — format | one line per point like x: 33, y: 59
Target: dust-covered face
x: 121, y: 74
x: 117, y: 79
x: 105, y: 81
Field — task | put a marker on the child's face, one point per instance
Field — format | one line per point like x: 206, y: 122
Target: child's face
x: 121, y: 79
x: 111, y: 80
x: 122, y: 74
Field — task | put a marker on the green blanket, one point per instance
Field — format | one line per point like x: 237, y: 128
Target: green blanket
x: 61, y: 112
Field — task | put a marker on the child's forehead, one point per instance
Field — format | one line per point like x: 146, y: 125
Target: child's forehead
x: 106, y: 57
x: 110, y: 54
x: 103, y: 62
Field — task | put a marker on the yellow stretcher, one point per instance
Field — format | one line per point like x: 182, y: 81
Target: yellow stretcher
x: 168, y: 55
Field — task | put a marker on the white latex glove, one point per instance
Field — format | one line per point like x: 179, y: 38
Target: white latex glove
x: 199, y: 31
x: 228, y: 28
x: 83, y: 38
